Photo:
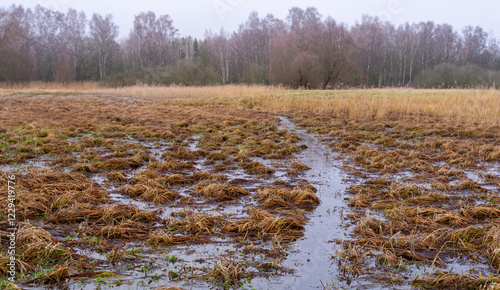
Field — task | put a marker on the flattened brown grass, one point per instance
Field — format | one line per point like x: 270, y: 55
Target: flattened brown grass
x: 37, y: 246
x: 116, y: 176
x: 170, y: 164
x: 83, y: 167
x: 127, y: 229
x: 176, y: 179
x: 263, y: 224
x: 162, y: 238
x: 227, y: 272
x: 257, y: 168
x: 209, y: 176
x: 442, y: 280
x: 481, y: 212
x: 221, y: 192
x: 122, y: 163
x: 272, y: 197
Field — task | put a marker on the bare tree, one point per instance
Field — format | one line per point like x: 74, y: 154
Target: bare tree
x: 303, y: 50
x: 305, y: 27
x: 73, y: 34
x: 474, y: 43
x: 220, y: 51
x: 370, y: 40
x: 491, y: 54
x: 151, y: 40
x: 331, y: 48
x: 47, y: 42
x: 252, y: 48
x: 103, y: 33
x: 448, y: 40
x: 16, y: 64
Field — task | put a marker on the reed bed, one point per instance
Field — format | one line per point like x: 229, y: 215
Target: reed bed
x: 468, y: 106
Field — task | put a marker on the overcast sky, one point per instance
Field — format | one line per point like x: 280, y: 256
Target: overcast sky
x: 194, y: 17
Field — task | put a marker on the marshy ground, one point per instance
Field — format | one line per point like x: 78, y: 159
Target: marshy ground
x: 252, y: 187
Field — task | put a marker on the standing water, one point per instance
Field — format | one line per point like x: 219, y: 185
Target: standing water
x: 311, y: 256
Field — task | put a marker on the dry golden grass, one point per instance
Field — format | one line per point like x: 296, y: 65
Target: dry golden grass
x: 228, y: 271
x: 370, y: 227
x: 435, y: 134
x: 160, y: 195
x: 297, y: 165
x: 193, y: 222
x: 122, y: 163
x: 257, y: 168
x: 36, y: 245
x: 163, y: 238
x: 264, y: 224
x: 441, y: 280
x: 116, y: 176
x: 469, y: 106
x: 43, y: 86
x: 76, y: 213
x: 184, y: 93
x: 126, y: 229
x: 57, y: 276
x: 22, y: 266
x: 276, y: 197
x: 176, y: 179
x: 221, y: 192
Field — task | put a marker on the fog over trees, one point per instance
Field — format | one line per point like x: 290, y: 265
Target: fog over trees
x: 304, y: 50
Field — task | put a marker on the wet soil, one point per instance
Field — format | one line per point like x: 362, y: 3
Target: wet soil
x: 316, y: 260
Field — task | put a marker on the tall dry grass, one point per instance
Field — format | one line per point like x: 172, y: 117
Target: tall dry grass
x: 183, y: 93
x: 465, y: 106
x: 50, y: 86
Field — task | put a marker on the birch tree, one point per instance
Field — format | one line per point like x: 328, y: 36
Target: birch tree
x: 103, y: 34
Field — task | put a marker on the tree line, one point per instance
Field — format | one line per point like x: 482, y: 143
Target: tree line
x: 303, y: 50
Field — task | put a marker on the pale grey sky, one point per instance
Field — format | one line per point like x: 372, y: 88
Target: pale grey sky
x: 194, y: 17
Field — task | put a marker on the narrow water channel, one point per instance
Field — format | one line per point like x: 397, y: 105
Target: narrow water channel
x: 311, y: 256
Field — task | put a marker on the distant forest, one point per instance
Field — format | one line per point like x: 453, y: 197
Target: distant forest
x: 305, y: 50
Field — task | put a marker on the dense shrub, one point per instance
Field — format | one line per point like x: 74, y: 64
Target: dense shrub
x: 187, y: 73
x: 452, y: 76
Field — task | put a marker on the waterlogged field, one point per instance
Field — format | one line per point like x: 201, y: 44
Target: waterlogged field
x: 251, y: 188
